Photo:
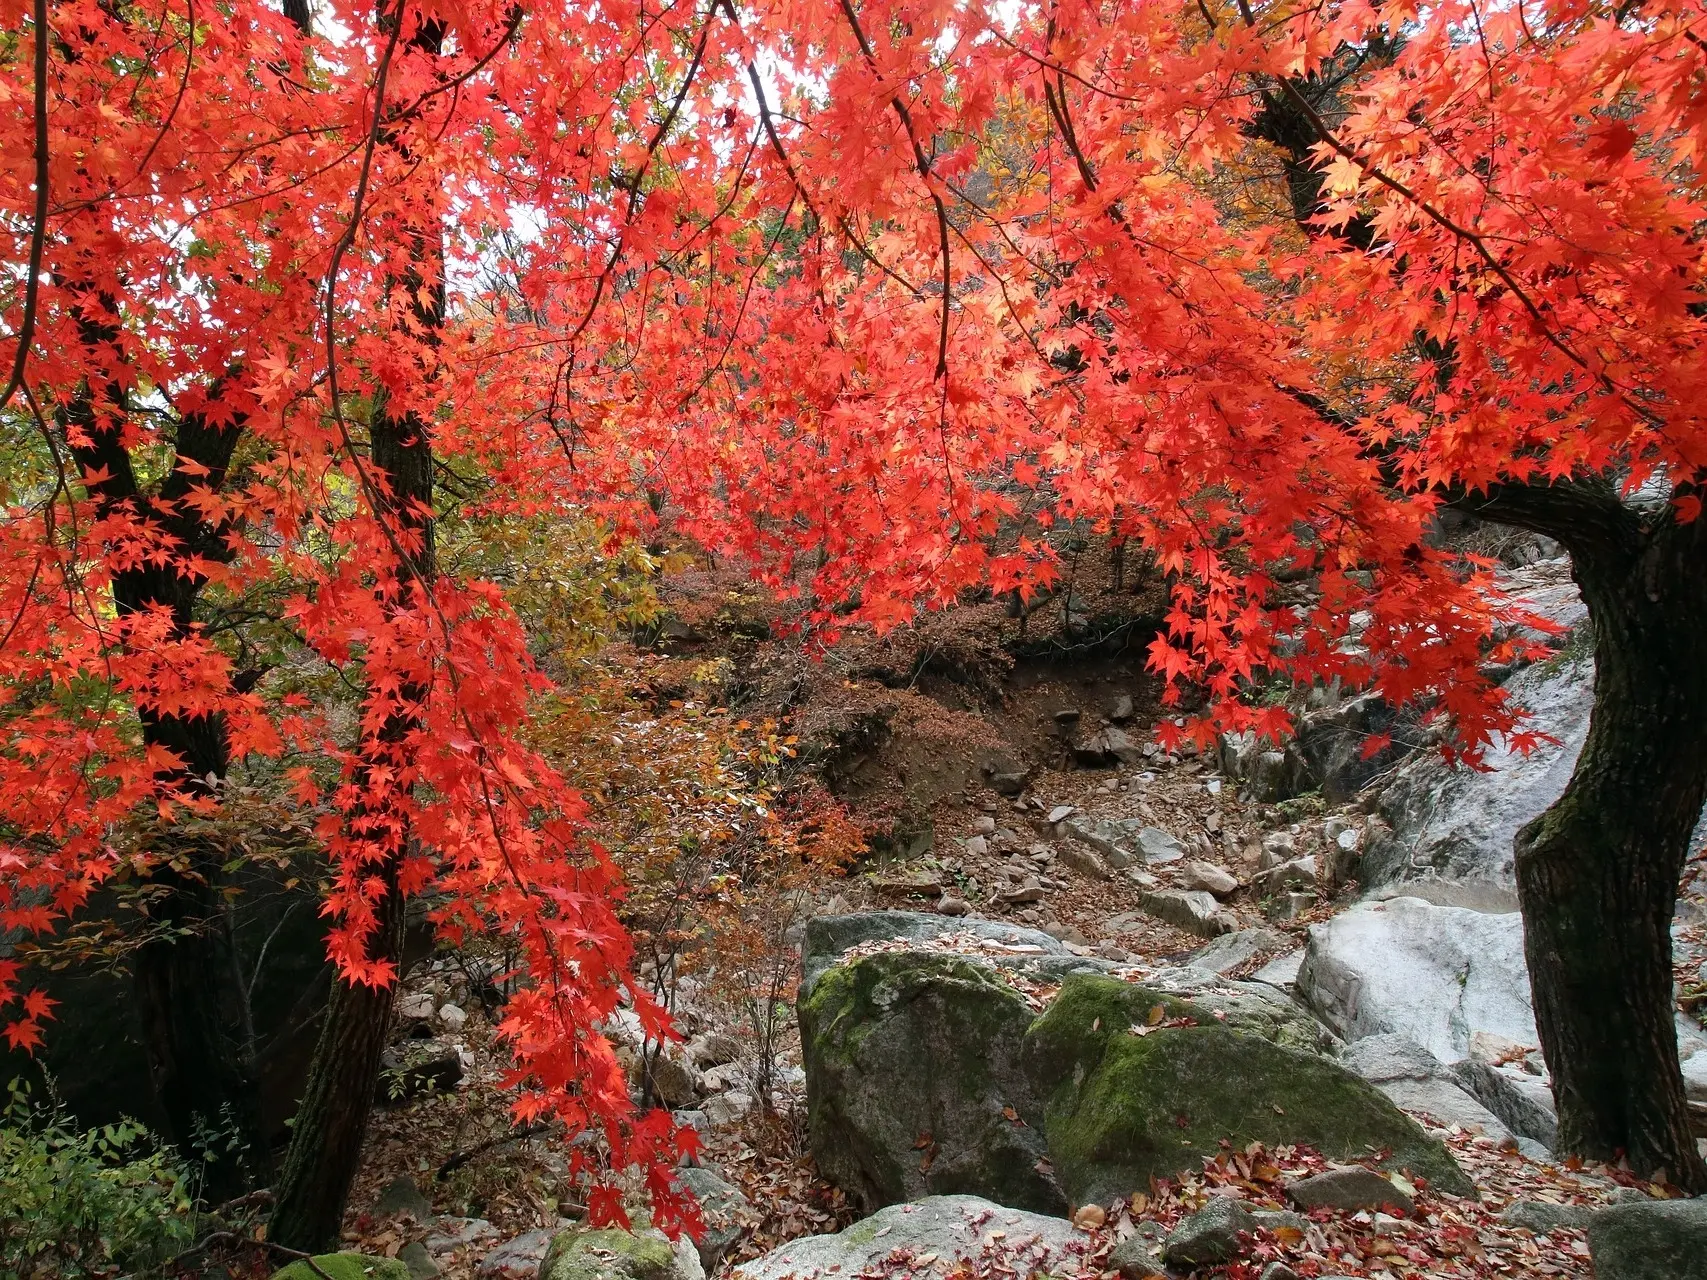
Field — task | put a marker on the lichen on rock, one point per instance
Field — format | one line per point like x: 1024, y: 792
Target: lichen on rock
x: 611, y: 1254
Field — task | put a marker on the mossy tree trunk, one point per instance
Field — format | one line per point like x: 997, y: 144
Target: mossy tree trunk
x: 1597, y: 874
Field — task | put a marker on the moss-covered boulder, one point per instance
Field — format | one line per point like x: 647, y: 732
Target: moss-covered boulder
x: 1123, y: 1105
x: 915, y: 1084
x: 827, y: 939
x: 346, y: 1266
x: 609, y: 1254
x: 1250, y: 1007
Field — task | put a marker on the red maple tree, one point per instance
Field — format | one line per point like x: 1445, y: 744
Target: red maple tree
x: 870, y: 295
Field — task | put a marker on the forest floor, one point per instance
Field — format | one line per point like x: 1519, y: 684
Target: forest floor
x: 907, y: 731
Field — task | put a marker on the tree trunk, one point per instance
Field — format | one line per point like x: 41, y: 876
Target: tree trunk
x: 190, y: 996
x: 325, y: 1149
x: 1597, y: 874
x: 326, y: 1136
x: 190, y: 1001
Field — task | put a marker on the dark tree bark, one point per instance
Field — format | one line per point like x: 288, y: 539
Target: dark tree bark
x: 326, y: 1136
x: 190, y: 999
x: 1597, y: 874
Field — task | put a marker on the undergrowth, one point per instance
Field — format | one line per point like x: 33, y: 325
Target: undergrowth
x: 85, y: 1202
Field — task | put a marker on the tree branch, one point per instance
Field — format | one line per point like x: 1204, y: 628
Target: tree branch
x: 924, y: 167
x: 1584, y: 515
x: 38, y: 225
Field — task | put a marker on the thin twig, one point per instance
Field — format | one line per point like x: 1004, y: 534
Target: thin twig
x: 461, y: 1158
x: 38, y: 228
x: 233, y: 1238
x: 768, y: 120
x: 924, y: 166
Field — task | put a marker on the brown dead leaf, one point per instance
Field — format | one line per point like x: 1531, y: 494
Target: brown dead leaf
x: 1090, y: 1217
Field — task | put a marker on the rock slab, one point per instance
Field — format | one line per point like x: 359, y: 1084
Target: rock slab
x: 1459, y: 824
x: 1232, y: 950
x: 956, y: 1229
x: 1193, y: 910
x: 516, y: 1259
x: 1434, y: 974
x: 618, y: 1255
x: 1348, y: 1190
x: 1417, y: 1081
x: 725, y: 1211
x: 401, y: 1195
x: 1210, y: 1236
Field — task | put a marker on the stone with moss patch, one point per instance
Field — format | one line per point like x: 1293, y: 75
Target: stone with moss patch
x: 346, y: 1266
x: 610, y: 1254
x: 827, y: 939
x: 1123, y: 1107
x: 1254, y: 1008
x: 916, y: 1087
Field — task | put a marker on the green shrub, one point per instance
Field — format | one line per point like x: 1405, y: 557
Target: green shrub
x: 85, y: 1203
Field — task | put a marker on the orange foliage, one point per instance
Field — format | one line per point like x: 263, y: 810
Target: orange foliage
x: 863, y: 293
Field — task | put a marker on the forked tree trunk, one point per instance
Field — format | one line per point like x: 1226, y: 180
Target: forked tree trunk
x: 1597, y: 874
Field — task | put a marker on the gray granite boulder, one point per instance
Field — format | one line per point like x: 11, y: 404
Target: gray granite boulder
x: 1210, y: 1236
x: 1433, y: 974
x: 1541, y: 1217
x: 725, y: 1210
x: 1458, y: 824
x: 915, y: 1085
x: 1419, y: 1082
x: 1650, y: 1240
x: 954, y: 1229
x: 1231, y: 950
